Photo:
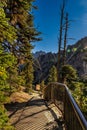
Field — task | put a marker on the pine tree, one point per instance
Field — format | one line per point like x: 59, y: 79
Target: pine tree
x: 80, y: 95
x: 68, y: 75
x: 7, y: 34
x: 19, y: 12
x: 76, y: 86
x: 6, y: 60
x: 42, y: 85
x: 52, y: 74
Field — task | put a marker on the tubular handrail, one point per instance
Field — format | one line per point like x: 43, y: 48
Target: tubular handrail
x: 77, y: 110
x: 60, y: 95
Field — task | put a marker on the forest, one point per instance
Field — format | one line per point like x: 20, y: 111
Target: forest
x: 17, y: 33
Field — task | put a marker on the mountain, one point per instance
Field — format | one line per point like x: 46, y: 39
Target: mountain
x: 42, y: 65
x: 76, y: 55
x: 38, y: 53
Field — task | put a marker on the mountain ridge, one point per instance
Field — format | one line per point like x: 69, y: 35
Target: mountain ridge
x: 75, y: 57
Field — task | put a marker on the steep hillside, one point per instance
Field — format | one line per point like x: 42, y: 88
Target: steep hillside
x: 75, y: 56
x: 42, y: 65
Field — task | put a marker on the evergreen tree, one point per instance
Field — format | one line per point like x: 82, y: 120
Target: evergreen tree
x: 80, y: 95
x: 42, y: 85
x: 52, y: 74
x: 68, y: 73
x: 6, y: 60
x: 19, y: 12
x: 7, y: 32
x: 7, y: 35
x: 77, y: 87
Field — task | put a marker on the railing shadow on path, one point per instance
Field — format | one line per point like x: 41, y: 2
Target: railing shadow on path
x: 60, y: 121
x: 14, y: 107
x: 62, y: 98
x: 34, y: 102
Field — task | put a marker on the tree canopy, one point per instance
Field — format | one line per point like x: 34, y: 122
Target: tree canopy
x: 17, y: 32
x: 52, y: 74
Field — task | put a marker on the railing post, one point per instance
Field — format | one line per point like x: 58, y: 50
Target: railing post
x: 65, y: 106
x: 74, y: 118
x: 61, y: 96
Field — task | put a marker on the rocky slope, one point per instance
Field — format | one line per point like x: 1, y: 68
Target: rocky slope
x: 75, y: 56
x: 42, y: 65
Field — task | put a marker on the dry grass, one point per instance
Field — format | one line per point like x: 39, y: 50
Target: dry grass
x: 20, y: 97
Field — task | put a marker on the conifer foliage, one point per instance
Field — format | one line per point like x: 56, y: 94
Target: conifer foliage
x: 19, y: 12
x: 7, y: 34
x: 52, y: 74
x: 17, y: 31
x: 6, y: 60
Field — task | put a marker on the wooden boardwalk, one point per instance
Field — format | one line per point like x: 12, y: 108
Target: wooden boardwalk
x: 36, y: 115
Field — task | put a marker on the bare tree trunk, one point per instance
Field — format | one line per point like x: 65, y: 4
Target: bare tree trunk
x: 65, y: 39
x: 60, y: 40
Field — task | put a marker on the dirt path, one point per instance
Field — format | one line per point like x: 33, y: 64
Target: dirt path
x: 36, y: 115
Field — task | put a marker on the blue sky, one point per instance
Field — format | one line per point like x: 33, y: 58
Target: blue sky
x: 47, y: 20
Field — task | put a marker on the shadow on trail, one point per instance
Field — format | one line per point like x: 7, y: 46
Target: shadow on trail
x: 15, y: 107
x: 60, y: 122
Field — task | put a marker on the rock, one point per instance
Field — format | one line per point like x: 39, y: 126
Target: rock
x: 76, y: 55
x: 19, y: 97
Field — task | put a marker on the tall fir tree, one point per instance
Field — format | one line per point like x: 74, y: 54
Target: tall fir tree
x: 68, y: 74
x: 7, y: 34
x: 6, y: 61
x: 19, y: 12
x: 52, y: 74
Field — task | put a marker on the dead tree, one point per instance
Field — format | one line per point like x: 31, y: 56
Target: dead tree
x: 65, y: 38
x: 60, y: 39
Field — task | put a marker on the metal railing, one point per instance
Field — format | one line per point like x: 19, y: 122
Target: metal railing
x: 61, y: 96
